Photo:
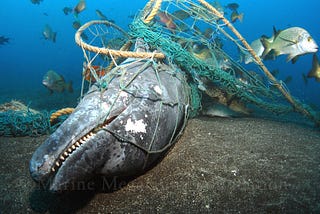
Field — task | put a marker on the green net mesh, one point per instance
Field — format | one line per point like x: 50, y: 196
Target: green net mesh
x: 16, y: 119
x: 191, y: 37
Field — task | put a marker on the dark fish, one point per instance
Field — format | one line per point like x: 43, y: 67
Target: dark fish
x: 287, y: 80
x: 55, y: 82
x: 49, y: 34
x: 4, y: 40
x: 115, y: 131
x: 36, y: 1
x: 67, y: 10
x: 232, y: 6
x: 76, y: 25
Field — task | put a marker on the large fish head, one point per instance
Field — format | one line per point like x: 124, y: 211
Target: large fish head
x: 307, y: 43
x: 118, y: 131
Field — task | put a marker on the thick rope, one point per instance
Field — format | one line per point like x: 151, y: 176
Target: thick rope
x: 154, y: 10
x: 106, y: 51
x: 125, y: 47
x: 295, y: 105
x: 59, y: 113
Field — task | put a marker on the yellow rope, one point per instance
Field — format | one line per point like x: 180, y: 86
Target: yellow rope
x: 154, y: 11
x: 59, y: 113
x: 106, y: 51
x: 125, y: 47
x: 295, y: 105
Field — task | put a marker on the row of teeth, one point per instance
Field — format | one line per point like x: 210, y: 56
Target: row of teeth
x: 77, y: 144
x: 70, y: 149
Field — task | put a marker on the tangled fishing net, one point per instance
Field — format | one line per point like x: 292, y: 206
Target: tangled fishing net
x: 17, y: 119
x: 187, y: 34
x: 190, y: 37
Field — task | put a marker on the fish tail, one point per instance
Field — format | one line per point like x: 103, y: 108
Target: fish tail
x: 267, y: 46
x: 315, y: 66
x: 240, y: 17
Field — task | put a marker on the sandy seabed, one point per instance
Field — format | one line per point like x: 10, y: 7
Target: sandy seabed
x: 219, y: 165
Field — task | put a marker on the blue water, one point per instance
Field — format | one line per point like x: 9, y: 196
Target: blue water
x: 29, y: 56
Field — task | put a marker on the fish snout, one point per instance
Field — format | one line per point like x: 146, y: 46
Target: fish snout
x: 40, y: 167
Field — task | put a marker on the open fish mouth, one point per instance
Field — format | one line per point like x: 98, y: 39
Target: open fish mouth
x: 120, y: 131
x: 70, y: 145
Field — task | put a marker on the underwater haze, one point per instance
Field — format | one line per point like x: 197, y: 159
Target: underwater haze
x: 203, y: 130
x: 27, y: 56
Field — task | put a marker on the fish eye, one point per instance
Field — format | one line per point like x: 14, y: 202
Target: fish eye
x: 309, y: 38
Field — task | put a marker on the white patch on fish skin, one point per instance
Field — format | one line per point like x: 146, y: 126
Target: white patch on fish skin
x: 105, y: 106
x: 157, y: 89
x: 123, y: 94
x: 135, y: 126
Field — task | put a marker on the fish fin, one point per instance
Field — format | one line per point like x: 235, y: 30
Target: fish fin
x: 266, y: 44
x: 315, y: 66
x: 294, y: 59
x: 233, y: 17
x: 291, y: 57
x: 276, y: 32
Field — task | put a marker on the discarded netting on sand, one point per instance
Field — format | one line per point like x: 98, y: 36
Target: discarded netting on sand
x: 17, y: 119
